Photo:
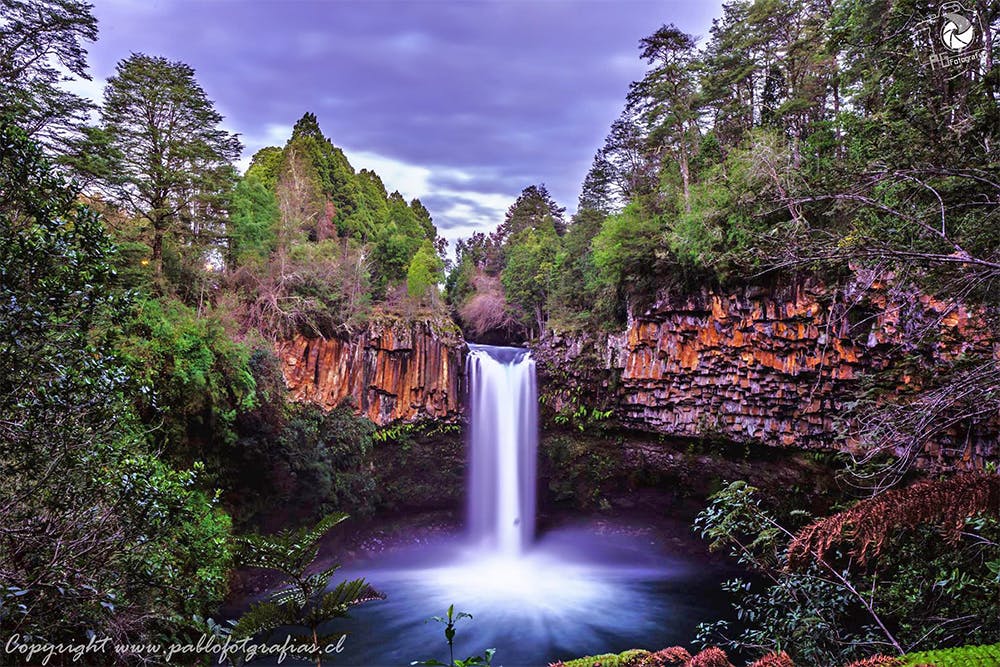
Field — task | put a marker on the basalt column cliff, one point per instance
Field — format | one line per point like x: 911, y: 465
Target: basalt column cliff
x: 776, y: 366
x: 393, y: 370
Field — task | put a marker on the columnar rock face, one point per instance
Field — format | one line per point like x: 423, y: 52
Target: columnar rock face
x: 776, y: 366
x: 393, y: 370
x: 779, y: 366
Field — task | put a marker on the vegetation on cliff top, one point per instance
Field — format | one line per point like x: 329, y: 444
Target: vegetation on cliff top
x: 798, y: 136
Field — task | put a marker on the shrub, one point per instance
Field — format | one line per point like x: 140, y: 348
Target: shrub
x: 487, y: 310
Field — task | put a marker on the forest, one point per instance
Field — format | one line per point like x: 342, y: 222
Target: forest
x: 151, y: 451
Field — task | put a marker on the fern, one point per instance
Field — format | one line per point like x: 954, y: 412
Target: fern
x: 304, y: 602
x: 263, y: 617
x: 774, y: 659
x: 944, y: 503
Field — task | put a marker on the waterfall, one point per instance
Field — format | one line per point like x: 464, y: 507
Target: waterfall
x: 503, y: 445
x: 535, y: 596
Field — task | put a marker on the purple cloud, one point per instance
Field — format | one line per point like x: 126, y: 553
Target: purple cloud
x: 463, y: 103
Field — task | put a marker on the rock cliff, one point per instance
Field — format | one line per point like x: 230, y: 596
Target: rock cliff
x: 776, y: 366
x: 779, y: 366
x: 392, y: 370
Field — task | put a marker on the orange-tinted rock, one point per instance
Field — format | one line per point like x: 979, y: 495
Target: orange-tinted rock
x: 777, y: 366
x: 391, y: 371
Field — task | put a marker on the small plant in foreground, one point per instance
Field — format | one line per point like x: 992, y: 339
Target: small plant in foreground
x: 304, y: 603
x: 449, y: 621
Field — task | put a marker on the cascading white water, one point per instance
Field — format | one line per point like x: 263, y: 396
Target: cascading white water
x: 503, y: 446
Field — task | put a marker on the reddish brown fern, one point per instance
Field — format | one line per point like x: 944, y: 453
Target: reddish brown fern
x: 710, y: 657
x: 877, y: 661
x: 867, y: 525
x: 675, y: 655
x: 779, y: 659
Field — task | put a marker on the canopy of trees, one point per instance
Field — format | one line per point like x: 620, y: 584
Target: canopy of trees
x: 798, y: 136
x: 170, y: 163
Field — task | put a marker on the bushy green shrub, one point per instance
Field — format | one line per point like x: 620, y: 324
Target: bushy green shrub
x: 193, y: 378
x: 963, y: 656
x: 919, y: 591
x: 321, y: 460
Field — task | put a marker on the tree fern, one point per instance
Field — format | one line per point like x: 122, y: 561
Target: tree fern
x: 303, y: 604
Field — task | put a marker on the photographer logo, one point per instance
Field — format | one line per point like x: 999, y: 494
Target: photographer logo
x: 955, y: 37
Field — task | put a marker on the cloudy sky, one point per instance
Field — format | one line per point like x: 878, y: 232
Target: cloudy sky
x: 462, y: 104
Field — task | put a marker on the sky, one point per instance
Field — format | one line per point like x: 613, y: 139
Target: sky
x: 462, y: 104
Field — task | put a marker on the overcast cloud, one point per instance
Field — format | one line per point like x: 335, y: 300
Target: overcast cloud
x: 462, y: 104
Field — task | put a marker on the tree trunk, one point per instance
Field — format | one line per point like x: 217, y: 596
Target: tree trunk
x: 157, y: 249
x: 685, y: 179
x: 982, y: 7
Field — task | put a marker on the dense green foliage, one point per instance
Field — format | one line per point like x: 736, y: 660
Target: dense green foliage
x: 798, y: 136
x: 170, y: 163
x: 505, y: 279
x: 924, y: 592
x: 253, y: 221
x: 139, y: 390
x: 291, y: 460
x: 39, y: 40
x: 623, y: 659
x: 964, y: 656
x: 196, y: 377
x: 425, y: 272
x: 326, y: 457
x: 97, y: 534
x: 313, y: 245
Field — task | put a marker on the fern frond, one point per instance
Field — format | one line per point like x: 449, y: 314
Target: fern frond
x: 869, y: 523
x: 877, y: 661
x: 710, y: 657
x: 316, y: 533
x: 291, y: 596
x: 263, y: 617
x: 265, y: 553
x: 345, y: 595
x: 289, y: 551
x: 675, y: 655
x: 320, y: 580
x: 778, y: 659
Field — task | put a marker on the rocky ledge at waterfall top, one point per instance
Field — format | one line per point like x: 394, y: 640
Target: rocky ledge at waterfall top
x: 777, y: 366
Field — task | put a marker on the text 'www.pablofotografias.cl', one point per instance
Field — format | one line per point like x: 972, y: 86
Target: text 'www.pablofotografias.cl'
x: 42, y: 653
